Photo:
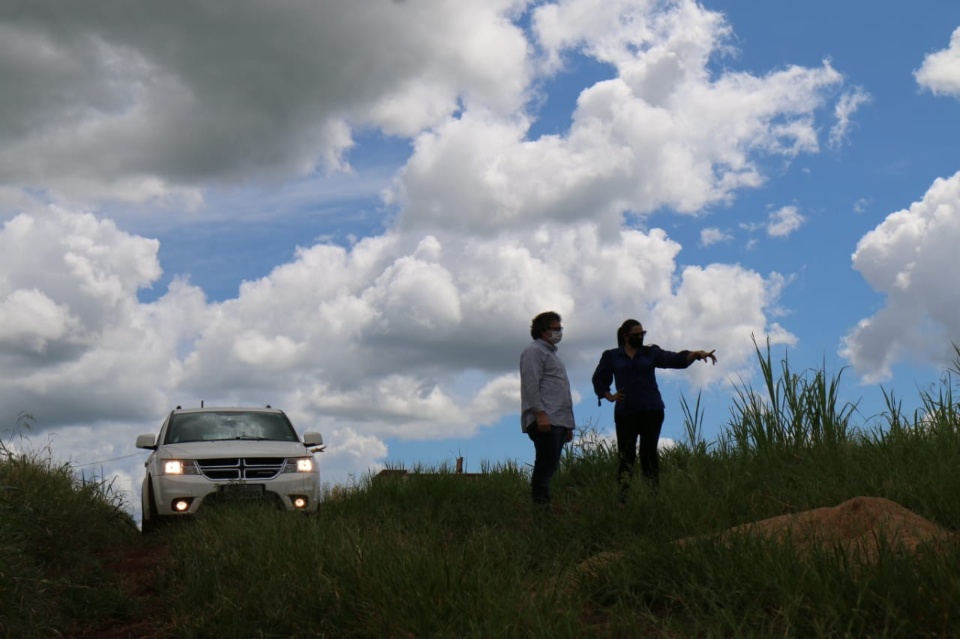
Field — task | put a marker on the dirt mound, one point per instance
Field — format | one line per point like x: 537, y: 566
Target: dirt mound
x: 859, y: 525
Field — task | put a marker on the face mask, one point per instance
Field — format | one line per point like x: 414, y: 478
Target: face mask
x: 636, y: 341
x: 555, y: 337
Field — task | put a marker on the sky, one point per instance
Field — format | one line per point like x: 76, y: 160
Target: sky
x: 352, y: 211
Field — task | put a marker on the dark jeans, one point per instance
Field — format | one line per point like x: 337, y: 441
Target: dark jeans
x: 549, y: 447
x: 646, y: 426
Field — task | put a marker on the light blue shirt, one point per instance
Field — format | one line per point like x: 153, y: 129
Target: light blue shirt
x: 544, y: 386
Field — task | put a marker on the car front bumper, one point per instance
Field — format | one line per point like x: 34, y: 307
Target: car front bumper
x: 177, y: 495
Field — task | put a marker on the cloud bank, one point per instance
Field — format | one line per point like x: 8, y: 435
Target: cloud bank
x: 905, y: 258
x: 412, y: 333
x: 940, y: 71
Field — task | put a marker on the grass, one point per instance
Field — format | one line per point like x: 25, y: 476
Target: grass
x: 57, y: 532
x: 437, y: 555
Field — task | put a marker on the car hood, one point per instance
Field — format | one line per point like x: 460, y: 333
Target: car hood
x: 232, y: 448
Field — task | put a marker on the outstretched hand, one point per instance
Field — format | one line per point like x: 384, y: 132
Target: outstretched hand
x: 704, y: 355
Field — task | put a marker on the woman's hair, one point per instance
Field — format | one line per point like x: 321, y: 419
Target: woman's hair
x: 542, y: 323
x: 625, y: 328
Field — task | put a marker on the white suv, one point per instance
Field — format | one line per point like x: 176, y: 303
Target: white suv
x: 206, y: 455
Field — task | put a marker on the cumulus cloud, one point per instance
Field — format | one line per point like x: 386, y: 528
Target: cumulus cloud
x: 131, y: 103
x: 711, y: 236
x: 410, y: 332
x: 847, y: 105
x: 373, y: 342
x: 784, y: 221
x: 663, y: 132
x: 73, y: 327
x: 30, y: 319
x: 435, y: 314
x: 907, y: 259
x: 940, y: 71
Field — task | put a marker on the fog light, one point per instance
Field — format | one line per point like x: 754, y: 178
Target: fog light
x: 181, y: 505
x: 299, y: 502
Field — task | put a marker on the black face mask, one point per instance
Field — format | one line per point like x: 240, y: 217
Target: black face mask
x: 636, y: 341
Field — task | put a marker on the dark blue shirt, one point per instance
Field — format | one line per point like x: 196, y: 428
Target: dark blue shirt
x: 635, y: 377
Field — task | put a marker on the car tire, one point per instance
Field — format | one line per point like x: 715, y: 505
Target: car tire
x: 150, y: 521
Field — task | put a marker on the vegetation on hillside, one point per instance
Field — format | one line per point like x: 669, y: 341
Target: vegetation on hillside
x: 57, y: 533
x: 434, y: 554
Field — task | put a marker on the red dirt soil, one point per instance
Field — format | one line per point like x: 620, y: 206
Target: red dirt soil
x: 860, y: 526
x: 136, y: 568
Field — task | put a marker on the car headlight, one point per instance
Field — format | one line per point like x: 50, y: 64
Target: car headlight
x: 299, y: 465
x: 179, y: 467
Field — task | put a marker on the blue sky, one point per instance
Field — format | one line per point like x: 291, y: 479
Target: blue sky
x: 354, y: 214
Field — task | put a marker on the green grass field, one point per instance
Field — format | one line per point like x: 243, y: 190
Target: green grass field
x: 439, y: 555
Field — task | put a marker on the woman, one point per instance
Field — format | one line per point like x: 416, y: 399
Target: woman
x: 638, y: 411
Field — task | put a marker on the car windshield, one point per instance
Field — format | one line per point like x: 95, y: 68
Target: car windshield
x: 225, y: 425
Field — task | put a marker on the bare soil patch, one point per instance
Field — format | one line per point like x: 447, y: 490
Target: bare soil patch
x: 137, y: 570
x: 860, y: 526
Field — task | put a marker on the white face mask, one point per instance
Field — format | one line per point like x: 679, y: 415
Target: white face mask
x: 555, y: 337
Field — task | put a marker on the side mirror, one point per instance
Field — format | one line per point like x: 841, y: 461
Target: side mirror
x: 147, y: 441
x: 312, y: 439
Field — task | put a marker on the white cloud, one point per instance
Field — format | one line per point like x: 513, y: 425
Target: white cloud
x: 29, y: 318
x: 415, y: 332
x: 127, y: 115
x: 711, y: 236
x: 784, y: 221
x: 134, y: 104
x: 377, y: 341
x: 846, y: 106
x: 940, y: 71
x: 73, y: 328
x: 909, y: 258
x: 711, y: 305
x: 662, y: 133
x: 679, y: 34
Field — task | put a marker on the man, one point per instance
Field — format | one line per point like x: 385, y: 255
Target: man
x: 545, y: 403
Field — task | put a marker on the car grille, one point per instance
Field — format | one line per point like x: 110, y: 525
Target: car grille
x: 254, y: 468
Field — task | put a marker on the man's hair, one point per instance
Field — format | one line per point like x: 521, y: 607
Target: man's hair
x: 625, y: 328
x: 542, y: 323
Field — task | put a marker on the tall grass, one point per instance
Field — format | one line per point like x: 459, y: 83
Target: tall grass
x: 56, y: 531
x: 797, y: 411
x: 434, y: 554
